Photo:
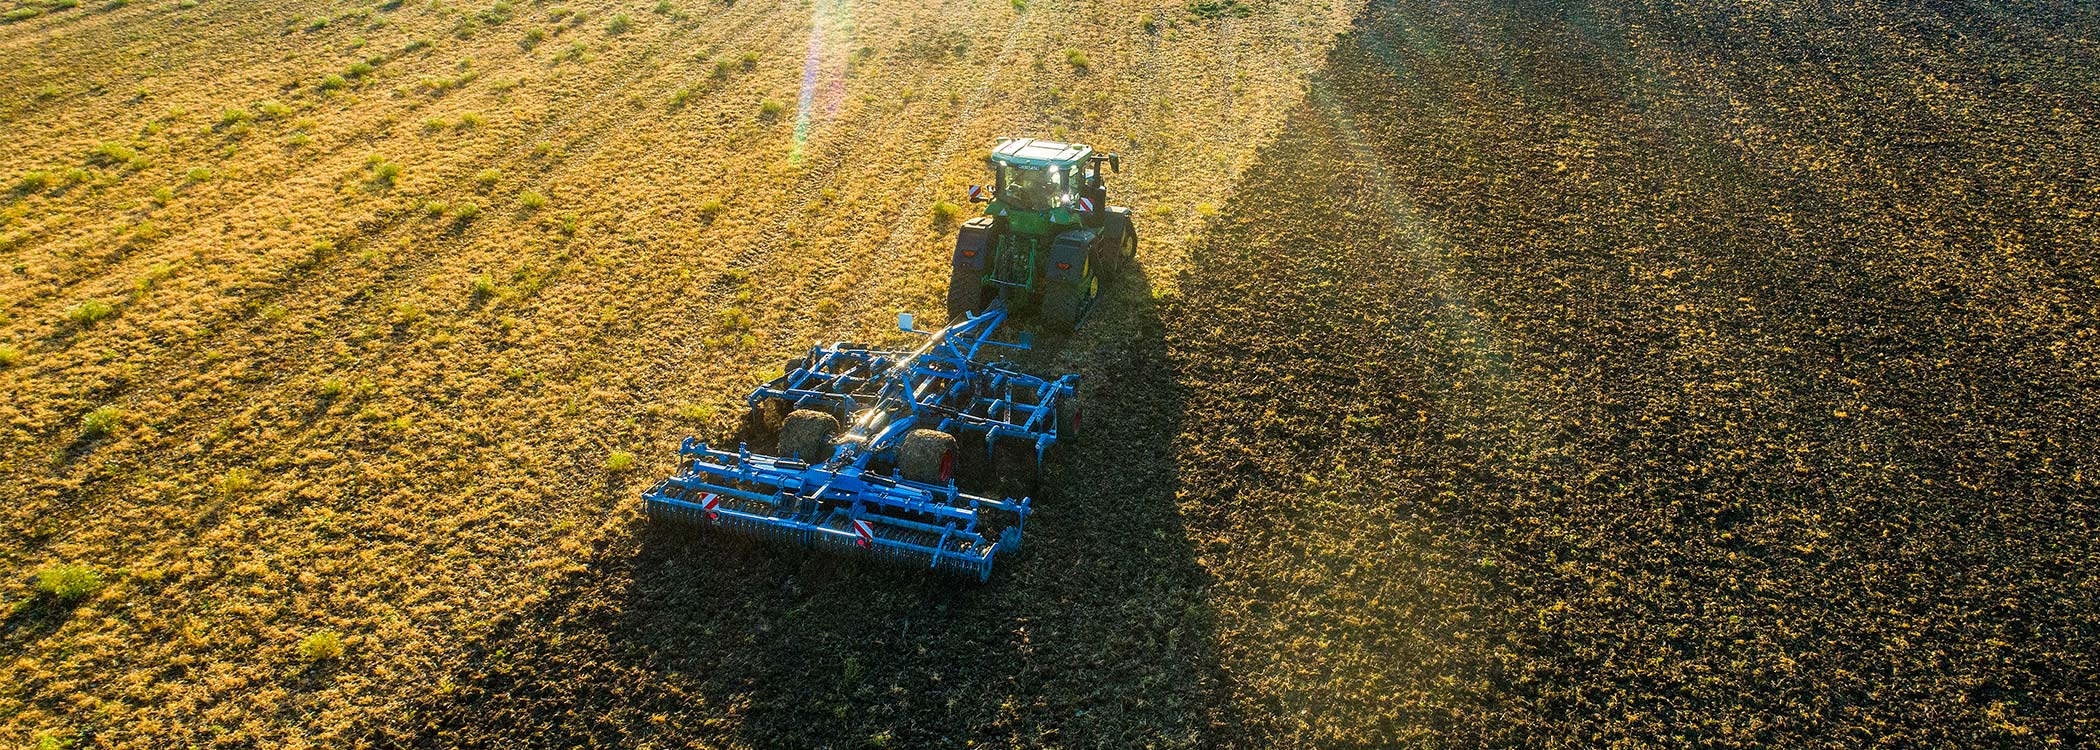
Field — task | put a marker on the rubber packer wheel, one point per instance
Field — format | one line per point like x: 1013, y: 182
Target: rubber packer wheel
x: 806, y: 435
x: 927, y: 456
x: 1068, y: 422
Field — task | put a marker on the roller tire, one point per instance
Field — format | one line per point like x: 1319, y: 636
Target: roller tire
x: 806, y: 435
x: 927, y: 456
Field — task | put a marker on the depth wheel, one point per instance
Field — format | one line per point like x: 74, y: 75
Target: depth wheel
x: 927, y: 456
x: 1068, y: 423
x: 807, y: 434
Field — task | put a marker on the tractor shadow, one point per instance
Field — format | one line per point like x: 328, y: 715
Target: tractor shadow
x: 1095, y: 634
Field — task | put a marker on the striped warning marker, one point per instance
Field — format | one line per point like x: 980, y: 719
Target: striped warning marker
x: 866, y: 531
x: 976, y: 191
x: 1086, y: 205
x: 708, y: 502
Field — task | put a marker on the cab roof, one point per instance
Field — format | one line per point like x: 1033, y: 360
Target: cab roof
x: 1036, y: 152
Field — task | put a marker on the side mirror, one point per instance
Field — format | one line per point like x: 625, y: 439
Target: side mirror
x: 1115, y: 164
x: 904, y: 321
x: 977, y: 194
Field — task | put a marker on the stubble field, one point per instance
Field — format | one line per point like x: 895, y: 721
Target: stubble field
x: 1502, y: 374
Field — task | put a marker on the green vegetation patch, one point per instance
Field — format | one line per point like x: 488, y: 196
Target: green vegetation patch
x: 68, y: 583
x: 1216, y: 9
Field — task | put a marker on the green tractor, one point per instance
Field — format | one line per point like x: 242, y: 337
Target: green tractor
x: 1048, y: 239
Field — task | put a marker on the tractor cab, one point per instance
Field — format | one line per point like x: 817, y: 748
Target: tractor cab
x: 1047, y: 237
x: 1060, y: 183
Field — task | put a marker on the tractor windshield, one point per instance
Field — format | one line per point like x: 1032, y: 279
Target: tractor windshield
x: 1034, y: 189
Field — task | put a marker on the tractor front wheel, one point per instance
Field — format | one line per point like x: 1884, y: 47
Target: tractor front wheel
x: 806, y: 435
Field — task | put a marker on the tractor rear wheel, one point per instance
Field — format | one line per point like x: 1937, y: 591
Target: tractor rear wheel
x: 806, y: 435
x: 927, y: 456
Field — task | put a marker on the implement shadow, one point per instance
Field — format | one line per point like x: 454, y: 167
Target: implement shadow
x: 1094, y: 635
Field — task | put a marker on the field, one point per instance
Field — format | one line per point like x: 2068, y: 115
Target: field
x: 1502, y: 373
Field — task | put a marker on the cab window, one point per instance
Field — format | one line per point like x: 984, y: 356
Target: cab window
x: 1034, y: 189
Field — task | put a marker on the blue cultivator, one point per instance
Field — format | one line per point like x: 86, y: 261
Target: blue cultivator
x: 868, y: 457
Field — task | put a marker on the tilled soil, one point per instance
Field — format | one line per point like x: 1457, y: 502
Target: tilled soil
x: 1685, y: 374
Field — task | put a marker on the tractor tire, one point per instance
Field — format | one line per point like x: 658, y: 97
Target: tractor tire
x: 1065, y: 301
x: 927, y: 456
x: 965, y: 294
x: 1126, y: 240
x: 806, y: 435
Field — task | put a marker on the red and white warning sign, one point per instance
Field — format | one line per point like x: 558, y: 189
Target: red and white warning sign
x: 1086, y: 205
x: 708, y: 502
x: 976, y: 191
x: 866, y: 531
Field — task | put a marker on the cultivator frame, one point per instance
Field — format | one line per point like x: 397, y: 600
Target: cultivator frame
x: 856, y: 498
